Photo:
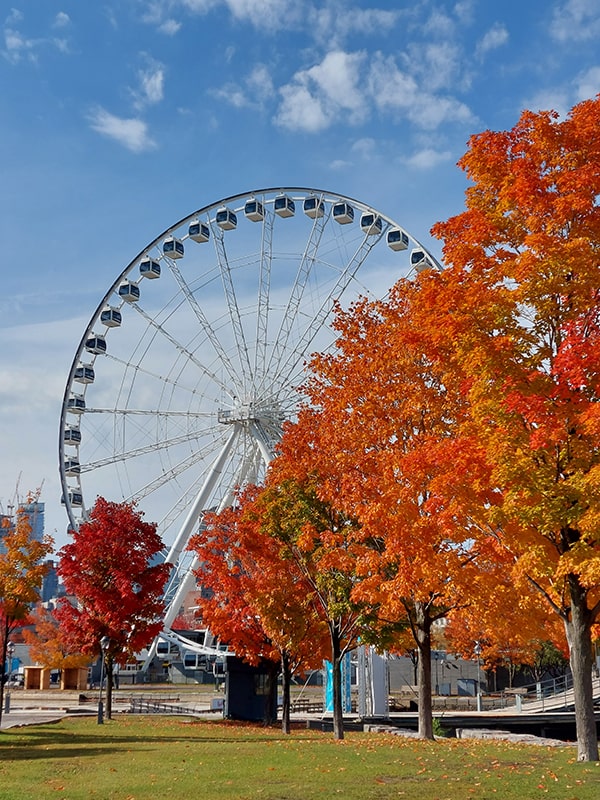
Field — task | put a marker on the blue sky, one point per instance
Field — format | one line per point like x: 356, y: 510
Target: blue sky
x: 120, y: 118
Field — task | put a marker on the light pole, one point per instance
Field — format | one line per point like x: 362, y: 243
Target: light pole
x: 10, y: 651
x: 477, y: 651
x: 104, y: 645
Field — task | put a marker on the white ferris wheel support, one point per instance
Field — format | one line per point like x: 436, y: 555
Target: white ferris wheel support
x: 195, y: 355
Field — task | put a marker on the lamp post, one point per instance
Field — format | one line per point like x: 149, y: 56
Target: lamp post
x: 104, y: 645
x: 477, y: 651
x: 10, y: 651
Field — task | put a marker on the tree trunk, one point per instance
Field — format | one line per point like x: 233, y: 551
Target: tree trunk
x: 270, y: 710
x: 336, y: 677
x: 286, y: 678
x: 3, y: 665
x: 579, y: 637
x: 423, y: 630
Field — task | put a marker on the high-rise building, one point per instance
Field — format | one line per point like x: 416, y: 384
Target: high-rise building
x: 34, y: 512
x: 35, y: 516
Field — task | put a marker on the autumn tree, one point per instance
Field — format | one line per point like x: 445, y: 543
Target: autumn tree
x: 382, y: 432
x: 257, y: 603
x: 108, y: 568
x: 22, y: 570
x: 522, y: 307
x: 509, y: 630
x: 48, y: 643
x: 316, y: 537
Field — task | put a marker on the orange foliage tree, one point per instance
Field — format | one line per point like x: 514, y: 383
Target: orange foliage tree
x: 48, y: 644
x: 257, y: 602
x: 316, y: 538
x: 382, y: 435
x: 522, y: 307
x: 22, y: 571
x: 510, y: 629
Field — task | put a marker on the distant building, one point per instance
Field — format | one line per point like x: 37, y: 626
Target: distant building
x: 35, y: 516
x: 50, y: 584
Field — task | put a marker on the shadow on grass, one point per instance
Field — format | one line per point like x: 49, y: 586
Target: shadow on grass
x: 52, y: 740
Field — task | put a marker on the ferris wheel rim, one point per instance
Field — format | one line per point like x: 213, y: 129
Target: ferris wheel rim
x: 295, y: 192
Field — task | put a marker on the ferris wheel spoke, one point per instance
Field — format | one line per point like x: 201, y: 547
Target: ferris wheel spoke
x: 292, y: 309
x: 162, y: 379
x: 182, y: 349
x: 302, y: 348
x: 233, y: 309
x: 174, y: 472
x: 264, y: 288
x: 204, y: 323
x: 187, y: 496
x: 153, y: 447
x: 180, y: 584
x: 202, y: 498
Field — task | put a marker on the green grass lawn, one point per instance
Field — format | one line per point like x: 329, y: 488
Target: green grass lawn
x: 136, y: 758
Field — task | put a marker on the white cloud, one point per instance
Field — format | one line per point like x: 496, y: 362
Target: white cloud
x: 18, y: 47
x: 260, y: 82
x: 344, y: 88
x: 270, y: 15
x: 389, y: 86
x: 61, y: 20
x: 430, y: 111
x: 170, y: 27
x: 365, y: 147
x: 437, y: 65
x: 330, y: 22
x: 234, y: 95
x: 14, y: 16
x: 340, y: 164
x: 151, y: 80
x: 131, y: 133
x: 333, y: 23
x: 575, y: 20
x: 587, y: 85
x: 62, y: 45
x: 494, y: 38
x: 326, y: 90
x: 464, y: 11
x: 439, y: 24
x: 428, y: 158
x: 394, y: 89
x: 299, y: 110
x: 554, y: 99
x: 258, y: 89
x: 337, y: 77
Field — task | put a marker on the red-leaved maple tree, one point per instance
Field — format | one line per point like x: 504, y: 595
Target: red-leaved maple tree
x: 116, y: 588
x: 257, y: 602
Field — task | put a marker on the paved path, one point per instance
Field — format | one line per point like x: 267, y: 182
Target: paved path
x: 35, y: 716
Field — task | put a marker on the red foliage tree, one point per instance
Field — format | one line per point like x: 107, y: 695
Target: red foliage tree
x: 257, y: 602
x: 108, y: 569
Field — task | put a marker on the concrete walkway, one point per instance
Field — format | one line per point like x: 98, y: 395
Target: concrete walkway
x: 18, y: 717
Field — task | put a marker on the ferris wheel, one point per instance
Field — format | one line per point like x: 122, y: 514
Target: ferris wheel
x: 194, y: 357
